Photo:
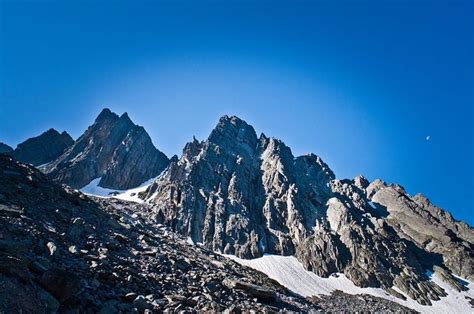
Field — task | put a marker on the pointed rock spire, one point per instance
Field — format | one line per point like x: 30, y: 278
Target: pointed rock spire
x: 114, y: 149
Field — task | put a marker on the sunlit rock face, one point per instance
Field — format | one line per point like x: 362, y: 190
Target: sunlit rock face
x: 246, y: 195
x: 113, y: 148
x: 430, y: 227
x: 242, y: 194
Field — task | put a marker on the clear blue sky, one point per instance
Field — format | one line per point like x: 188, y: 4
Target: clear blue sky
x: 360, y: 83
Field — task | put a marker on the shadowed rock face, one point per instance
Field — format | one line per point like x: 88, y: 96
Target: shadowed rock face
x: 243, y: 195
x: 44, y: 148
x: 113, y: 148
x: 4, y: 148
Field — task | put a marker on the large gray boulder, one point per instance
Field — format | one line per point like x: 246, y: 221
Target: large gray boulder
x: 113, y: 148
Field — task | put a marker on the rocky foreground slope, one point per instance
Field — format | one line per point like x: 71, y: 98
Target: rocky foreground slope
x: 247, y: 196
x: 63, y: 251
x: 114, y: 149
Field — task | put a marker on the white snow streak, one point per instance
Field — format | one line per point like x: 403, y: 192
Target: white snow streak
x: 93, y: 188
x: 289, y: 272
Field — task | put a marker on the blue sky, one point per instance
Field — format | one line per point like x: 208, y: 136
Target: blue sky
x: 360, y: 83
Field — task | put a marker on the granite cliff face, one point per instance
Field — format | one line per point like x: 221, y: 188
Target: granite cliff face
x: 44, y: 148
x: 113, y: 148
x: 246, y: 195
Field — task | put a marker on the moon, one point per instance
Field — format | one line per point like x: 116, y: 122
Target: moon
x: 428, y: 137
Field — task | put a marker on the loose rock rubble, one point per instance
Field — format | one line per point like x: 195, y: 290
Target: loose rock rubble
x: 338, y: 302
x: 63, y: 251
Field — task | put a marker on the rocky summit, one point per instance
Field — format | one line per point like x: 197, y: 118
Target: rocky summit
x: 44, y: 148
x: 245, y: 195
x: 113, y: 149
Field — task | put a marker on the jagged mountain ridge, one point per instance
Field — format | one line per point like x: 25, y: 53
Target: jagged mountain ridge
x: 243, y: 195
x: 43, y: 148
x: 246, y: 195
x: 112, y: 148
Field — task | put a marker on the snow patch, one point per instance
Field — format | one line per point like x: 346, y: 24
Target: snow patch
x: 131, y: 195
x: 289, y: 272
x: 93, y: 188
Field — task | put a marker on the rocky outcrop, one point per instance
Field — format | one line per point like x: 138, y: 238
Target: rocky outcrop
x: 4, y: 148
x: 62, y: 251
x: 240, y: 194
x: 246, y: 195
x: 430, y: 227
x: 113, y: 148
x: 44, y: 148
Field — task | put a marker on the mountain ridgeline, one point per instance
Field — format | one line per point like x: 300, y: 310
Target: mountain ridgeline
x: 114, y: 149
x: 246, y: 195
x: 41, y: 149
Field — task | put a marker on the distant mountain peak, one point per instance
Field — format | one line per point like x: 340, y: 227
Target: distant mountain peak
x: 4, y: 148
x: 106, y: 114
x: 115, y: 149
x: 44, y: 148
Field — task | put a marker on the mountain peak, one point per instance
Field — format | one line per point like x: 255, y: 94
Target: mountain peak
x: 4, y: 148
x: 51, y: 131
x: 106, y: 114
x: 232, y: 130
x: 43, y: 148
x: 114, y: 149
x: 125, y: 116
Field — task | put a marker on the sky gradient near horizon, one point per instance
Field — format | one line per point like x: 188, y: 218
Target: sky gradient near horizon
x: 379, y: 88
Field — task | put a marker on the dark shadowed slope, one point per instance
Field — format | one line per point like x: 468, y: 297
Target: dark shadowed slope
x: 44, y: 148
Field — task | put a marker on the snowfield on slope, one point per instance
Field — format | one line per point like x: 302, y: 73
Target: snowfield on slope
x: 93, y: 188
x: 289, y: 272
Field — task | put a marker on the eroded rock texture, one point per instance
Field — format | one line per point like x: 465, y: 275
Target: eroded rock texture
x: 113, y: 148
x: 430, y: 227
x: 246, y: 195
